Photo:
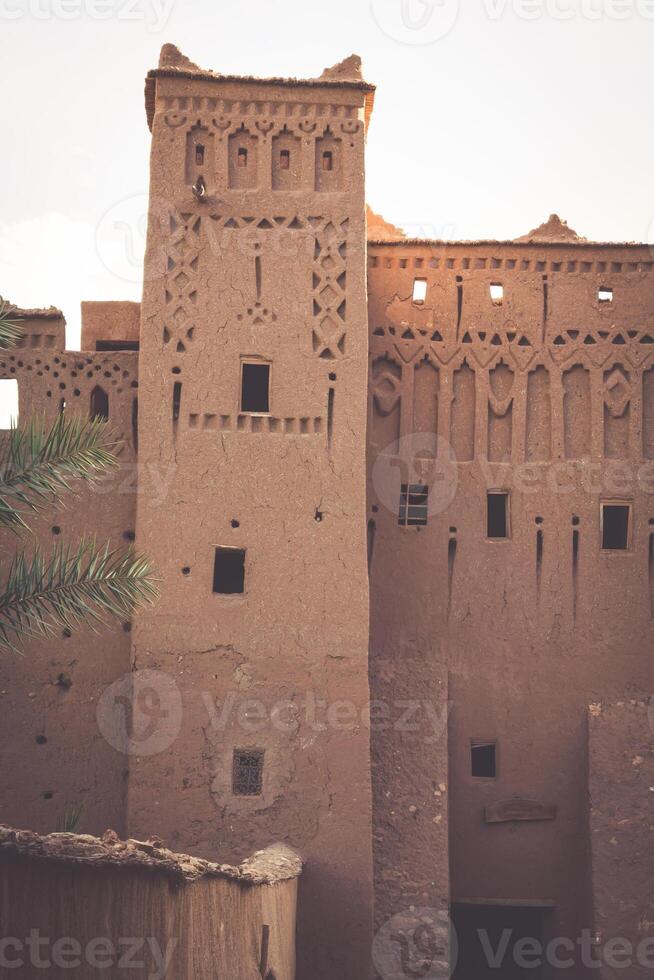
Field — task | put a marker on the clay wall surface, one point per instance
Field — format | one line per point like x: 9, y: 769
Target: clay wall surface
x: 621, y: 779
x: 110, y: 325
x: 548, y: 397
x: 53, y: 754
x: 266, y: 266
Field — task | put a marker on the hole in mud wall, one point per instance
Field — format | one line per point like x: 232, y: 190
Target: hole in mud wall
x: 99, y: 404
x: 496, y: 293
x: 247, y: 772
x: 605, y: 294
x: 419, y: 290
x: 177, y: 401
x: 286, y: 161
x: 229, y: 571
x: 329, y: 162
x: 483, y: 760
x: 255, y: 387
x: 8, y: 403
x: 616, y: 526
x: 414, y: 499
x: 372, y: 530
x: 199, y: 146
x: 497, y: 514
x: 243, y: 162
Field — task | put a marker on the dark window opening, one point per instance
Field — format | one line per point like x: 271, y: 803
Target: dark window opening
x: 483, y: 760
x: 285, y: 160
x: 116, y: 345
x: 247, y: 772
x: 242, y: 157
x: 413, y: 504
x: 255, y: 388
x: 99, y: 404
x: 497, y: 515
x: 199, y: 154
x: 328, y: 160
x: 229, y: 571
x: 177, y: 401
x: 616, y: 519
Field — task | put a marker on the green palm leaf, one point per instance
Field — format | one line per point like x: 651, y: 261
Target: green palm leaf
x: 38, y: 463
x: 70, y: 587
x: 10, y: 329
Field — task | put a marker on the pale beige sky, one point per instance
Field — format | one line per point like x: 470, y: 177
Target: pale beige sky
x: 490, y: 114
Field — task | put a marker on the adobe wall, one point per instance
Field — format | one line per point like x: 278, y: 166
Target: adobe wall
x: 52, y: 753
x: 621, y: 780
x: 269, y: 266
x: 549, y: 396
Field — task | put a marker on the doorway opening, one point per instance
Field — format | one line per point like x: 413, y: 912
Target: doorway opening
x: 492, y: 942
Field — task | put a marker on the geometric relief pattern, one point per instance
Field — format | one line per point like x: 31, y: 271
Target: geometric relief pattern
x: 329, y: 277
x: 329, y: 280
x: 182, y: 260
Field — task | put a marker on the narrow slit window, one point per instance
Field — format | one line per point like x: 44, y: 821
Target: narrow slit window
x: 414, y: 499
x: 285, y: 160
x: 616, y: 524
x: 419, y: 290
x: 255, y: 387
x: 497, y: 504
x: 199, y: 154
x: 242, y: 157
x: 8, y: 402
x: 483, y: 760
x: 99, y: 404
x: 328, y: 160
x: 497, y: 293
x: 605, y: 294
x: 247, y: 772
x: 229, y: 571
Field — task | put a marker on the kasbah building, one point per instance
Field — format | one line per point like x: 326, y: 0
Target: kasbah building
x: 399, y: 493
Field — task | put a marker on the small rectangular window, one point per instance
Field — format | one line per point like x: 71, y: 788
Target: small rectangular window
x: 242, y: 157
x: 284, y: 159
x: 8, y: 402
x: 229, y: 571
x: 497, y: 514
x: 247, y: 772
x: 419, y: 290
x: 605, y: 294
x: 483, y: 760
x: 255, y: 387
x: 328, y: 160
x: 413, y: 504
x: 497, y: 293
x: 616, y: 526
x: 199, y: 154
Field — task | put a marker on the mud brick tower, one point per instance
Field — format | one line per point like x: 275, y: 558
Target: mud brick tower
x: 253, y: 370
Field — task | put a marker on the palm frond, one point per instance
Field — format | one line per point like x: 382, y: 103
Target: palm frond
x: 69, y: 587
x: 38, y: 463
x: 10, y: 328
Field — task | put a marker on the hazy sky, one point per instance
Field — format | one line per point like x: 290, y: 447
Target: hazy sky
x: 489, y: 115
